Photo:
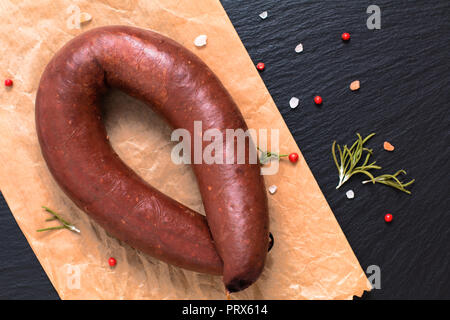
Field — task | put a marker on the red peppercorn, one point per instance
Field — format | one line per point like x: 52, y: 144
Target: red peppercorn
x: 293, y: 157
x: 388, y: 217
x: 112, y: 262
x: 345, y: 36
x: 8, y: 82
x: 318, y: 100
x: 260, y: 66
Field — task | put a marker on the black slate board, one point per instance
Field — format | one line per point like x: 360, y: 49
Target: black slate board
x: 404, y: 98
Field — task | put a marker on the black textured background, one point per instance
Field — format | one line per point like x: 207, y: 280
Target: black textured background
x: 404, y: 98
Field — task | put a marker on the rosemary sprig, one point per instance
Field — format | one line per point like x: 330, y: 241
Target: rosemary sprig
x: 266, y: 156
x: 350, y: 157
x: 348, y: 165
x: 65, y: 224
x: 392, y: 181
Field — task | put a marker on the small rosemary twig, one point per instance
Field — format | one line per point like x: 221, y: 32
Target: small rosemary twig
x: 266, y: 156
x: 65, y: 224
x: 348, y: 165
x: 350, y: 157
x: 392, y: 181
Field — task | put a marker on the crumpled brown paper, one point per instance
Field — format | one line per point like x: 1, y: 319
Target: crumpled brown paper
x: 311, y: 258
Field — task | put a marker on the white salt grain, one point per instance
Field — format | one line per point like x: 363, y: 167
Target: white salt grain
x: 299, y: 48
x: 293, y: 103
x: 85, y: 17
x: 263, y: 15
x: 272, y: 189
x: 350, y: 194
x: 200, y: 41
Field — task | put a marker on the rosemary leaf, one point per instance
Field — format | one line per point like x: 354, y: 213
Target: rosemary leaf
x: 51, y: 228
x: 57, y: 216
x: 391, y: 180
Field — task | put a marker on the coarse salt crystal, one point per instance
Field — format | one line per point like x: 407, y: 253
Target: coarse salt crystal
x: 263, y: 15
x: 200, y: 41
x: 299, y: 48
x: 85, y: 17
x: 350, y: 194
x: 388, y: 146
x: 273, y: 189
x: 293, y: 103
x: 355, y: 85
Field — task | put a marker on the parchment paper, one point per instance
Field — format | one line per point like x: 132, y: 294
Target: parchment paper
x: 311, y: 258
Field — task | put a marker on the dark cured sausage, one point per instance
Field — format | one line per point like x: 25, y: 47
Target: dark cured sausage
x: 178, y: 85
